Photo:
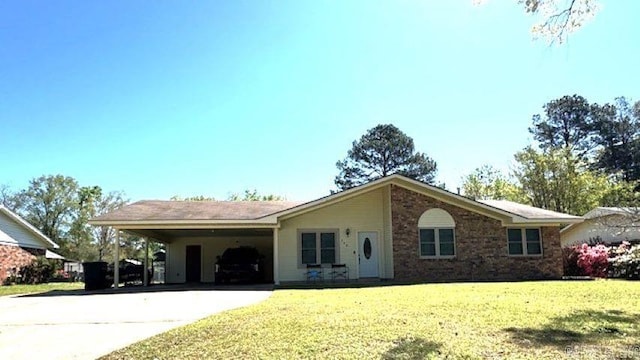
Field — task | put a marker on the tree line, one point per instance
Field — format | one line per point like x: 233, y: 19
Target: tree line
x: 60, y: 207
x: 584, y: 155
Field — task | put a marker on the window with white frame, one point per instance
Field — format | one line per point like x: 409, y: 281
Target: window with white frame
x: 436, y: 233
x: 525, y: 241
x: 318, y: 247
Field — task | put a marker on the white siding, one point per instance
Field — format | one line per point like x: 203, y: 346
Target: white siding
x: 436, y: 218
x: 13, y: 233
x: 365, y: 212
x: 592, y: 228
x: 211, y: 247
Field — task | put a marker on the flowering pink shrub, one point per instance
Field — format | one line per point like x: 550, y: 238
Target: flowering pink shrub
x: 593, y: 260
x: 621, y: 261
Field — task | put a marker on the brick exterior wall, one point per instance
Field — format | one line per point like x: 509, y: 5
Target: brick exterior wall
x: 480, y: 243
x: 15, y: 257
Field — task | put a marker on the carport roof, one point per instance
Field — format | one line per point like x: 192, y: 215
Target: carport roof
x: 157, y: 210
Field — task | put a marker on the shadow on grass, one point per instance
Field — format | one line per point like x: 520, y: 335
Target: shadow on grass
x: 411, y: 348
x: 579, y: 328
x: 367, y: 283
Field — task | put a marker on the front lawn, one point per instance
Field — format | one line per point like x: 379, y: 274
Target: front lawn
x: 536, y: 320
x: 39, y: 288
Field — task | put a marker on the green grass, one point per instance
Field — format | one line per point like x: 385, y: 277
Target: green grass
x: 39, y: 288
x: 535, y: 320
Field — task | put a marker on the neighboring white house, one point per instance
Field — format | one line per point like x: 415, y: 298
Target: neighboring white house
x: 20, y: 242
x: 605, y: 224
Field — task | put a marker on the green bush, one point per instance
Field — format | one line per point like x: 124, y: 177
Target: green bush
x: 38, y: 272
x: 570, y: 257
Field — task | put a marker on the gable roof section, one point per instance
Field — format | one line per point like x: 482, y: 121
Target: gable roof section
x: 269, y: 213
x: 508, y: 212
x: 23, y: 224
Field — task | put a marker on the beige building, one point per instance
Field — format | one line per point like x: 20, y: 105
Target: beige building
x: 391, y: 228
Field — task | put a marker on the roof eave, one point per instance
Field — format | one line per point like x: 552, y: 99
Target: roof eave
x: 272, y: 220
x: 567, y: 228
x: 28, y: 226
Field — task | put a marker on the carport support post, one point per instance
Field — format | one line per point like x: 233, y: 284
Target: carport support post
x: 145, y: 276
x: 276, y: 275
x: 116, y: 263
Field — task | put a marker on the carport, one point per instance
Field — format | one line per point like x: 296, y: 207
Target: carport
x: 196, y: 232
x: 191, y: 253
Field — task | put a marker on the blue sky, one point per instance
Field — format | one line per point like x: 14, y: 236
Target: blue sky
x: 212, y: 97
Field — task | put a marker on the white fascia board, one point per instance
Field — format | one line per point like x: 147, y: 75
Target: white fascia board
x: 171, y: 224
x: 569, y: 227
x: 545, y: 222
x: 181, y: 225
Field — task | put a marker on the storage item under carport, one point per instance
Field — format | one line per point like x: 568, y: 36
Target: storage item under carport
x: 95, y: 275
x: 243, y: 264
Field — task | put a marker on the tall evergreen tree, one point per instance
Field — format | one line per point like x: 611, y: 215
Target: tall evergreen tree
x: 616, y: 131
x: 383, y: 150
x: 566, y: 124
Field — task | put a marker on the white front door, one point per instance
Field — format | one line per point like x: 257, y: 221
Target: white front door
x: 368, y: 254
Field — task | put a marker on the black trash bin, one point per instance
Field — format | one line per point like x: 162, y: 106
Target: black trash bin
x: 95, y: 275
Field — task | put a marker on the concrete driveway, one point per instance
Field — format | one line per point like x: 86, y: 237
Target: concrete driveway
x: 82, y: 325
